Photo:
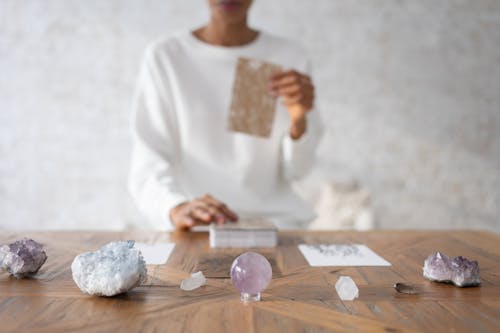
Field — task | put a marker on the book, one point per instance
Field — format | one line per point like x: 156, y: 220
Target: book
x: 244, y: 233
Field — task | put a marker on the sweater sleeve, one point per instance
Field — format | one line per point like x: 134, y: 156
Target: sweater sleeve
x: 155, y: 145
x: 297, y: 156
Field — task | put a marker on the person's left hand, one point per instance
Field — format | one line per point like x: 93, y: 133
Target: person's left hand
x: 297, y: 91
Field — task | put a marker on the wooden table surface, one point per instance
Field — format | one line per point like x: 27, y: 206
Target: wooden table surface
x: 299, y: 299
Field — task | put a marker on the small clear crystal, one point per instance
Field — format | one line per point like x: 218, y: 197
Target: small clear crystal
x: 195, y: 281
x: 346, y: 288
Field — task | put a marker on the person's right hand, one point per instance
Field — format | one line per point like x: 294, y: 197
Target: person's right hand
x: 200, y: 211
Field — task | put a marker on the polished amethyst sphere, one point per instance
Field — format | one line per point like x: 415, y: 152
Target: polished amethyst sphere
x: 251, y: 274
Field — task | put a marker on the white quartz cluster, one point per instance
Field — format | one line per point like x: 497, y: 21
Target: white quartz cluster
x: 113, y: 269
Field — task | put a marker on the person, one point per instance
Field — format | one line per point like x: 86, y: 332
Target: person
x: 182, y: 148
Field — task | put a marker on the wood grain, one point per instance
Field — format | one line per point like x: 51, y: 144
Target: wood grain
x: 299, y: 299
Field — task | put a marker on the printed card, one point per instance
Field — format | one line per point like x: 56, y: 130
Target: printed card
x: 155, y: 254
x: 341, y: 255
x: 253, y: 107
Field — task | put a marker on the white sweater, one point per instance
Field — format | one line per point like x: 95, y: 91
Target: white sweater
x: 182, y: 148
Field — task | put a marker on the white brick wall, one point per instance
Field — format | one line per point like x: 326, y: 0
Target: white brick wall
x: 409, y: 90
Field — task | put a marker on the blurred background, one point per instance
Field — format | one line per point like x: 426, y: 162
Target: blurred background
x: 409, y: 92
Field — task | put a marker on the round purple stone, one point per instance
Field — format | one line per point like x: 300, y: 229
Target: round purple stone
x: 251, y: 273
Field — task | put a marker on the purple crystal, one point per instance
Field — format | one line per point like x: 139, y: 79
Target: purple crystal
x: 459, y: 271
x: 251, y: 274
x: 22, y: 258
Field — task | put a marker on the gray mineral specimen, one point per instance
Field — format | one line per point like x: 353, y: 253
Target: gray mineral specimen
x: 459, y: 271
x: 22, y: 258
x: 404, y: 288
x: 115, y: 268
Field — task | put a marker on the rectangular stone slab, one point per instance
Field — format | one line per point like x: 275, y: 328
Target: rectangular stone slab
x: 252, y: 106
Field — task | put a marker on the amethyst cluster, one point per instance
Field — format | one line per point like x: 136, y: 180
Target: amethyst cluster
x: 460, y: 271
x: 22, y: 258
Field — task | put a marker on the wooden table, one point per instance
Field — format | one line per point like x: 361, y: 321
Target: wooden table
x: 299, y: 299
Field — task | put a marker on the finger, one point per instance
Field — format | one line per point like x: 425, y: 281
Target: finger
x: 300, y: 80
x: 290, y: 89
x: 306, y: 97
x: 229, y: 213
x: 210, y: 200
x: 225, y: 210
x: 188, y: 221
x: 184, y: 222
x: 280, y: 75
x: 289, y: 78
x: 284, y: 81
x: 221, y: 207
x: 295, y: 98
x: 292, y: 83
x: 219, y: 217
x: 203, y: 205
x: 202, y: 214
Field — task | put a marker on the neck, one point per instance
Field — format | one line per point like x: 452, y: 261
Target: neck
x: 225, y: 34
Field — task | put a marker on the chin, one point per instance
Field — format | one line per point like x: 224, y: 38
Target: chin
x: 231, y: 11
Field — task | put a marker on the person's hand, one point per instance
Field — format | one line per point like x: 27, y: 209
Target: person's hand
x: 203, y: 210
x: 297, y: 91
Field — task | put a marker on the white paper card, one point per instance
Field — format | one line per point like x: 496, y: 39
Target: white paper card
x: 155, y: 254
x: 341, y: 255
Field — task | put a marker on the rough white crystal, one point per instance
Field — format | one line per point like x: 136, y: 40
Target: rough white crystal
x: 346, y: 288
x: 195, y: 281
x: 113, y: 269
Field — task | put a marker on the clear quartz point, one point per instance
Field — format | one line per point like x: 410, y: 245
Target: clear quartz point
x: 193, y: 282
x: 346, y: 288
